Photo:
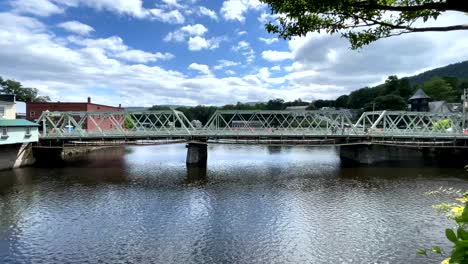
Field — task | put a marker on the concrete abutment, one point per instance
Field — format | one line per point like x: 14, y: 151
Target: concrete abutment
x: 16, y: 155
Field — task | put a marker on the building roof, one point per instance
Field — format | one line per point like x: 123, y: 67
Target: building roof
x: 300, y: 107
x: 17, y: 123
x: 419, y: 94
x: 7, y: 98
x: 436, y: 106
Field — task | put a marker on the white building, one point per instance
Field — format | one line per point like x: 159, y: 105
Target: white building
x: 7, y: 106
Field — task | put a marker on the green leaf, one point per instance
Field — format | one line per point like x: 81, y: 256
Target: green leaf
x: 451, y: 235
x: 421, y: 251
x: 464, y: 215
x: 462, y: 234
x: 437, y: 250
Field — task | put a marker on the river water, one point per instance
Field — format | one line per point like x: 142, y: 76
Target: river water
x: 254, y: 204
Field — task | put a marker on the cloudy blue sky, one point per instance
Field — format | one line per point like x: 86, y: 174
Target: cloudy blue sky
x: 141, y: 53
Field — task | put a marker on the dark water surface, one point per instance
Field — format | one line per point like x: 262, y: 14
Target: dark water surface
x: 256, y: 205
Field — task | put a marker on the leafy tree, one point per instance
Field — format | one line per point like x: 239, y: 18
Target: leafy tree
x: 391, y: 84
x: 324, y: 103
x: 200, y: 112
x: 390, y: 102
x: 22, y: 94
x: 275, y: 104
x: 359, y: 98
x: 405, y: 89
x: 361, y: 22
x: 441, y: 90
x: 342, y: 101
x: 311, y: 107
x: 297, y: 102
x: 159, y: 108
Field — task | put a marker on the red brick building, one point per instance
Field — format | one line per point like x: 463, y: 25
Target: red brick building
x: 35, y: 109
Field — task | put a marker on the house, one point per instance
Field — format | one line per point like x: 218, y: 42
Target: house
x: 421, y: 102
x: 17, y: 131
x: 35, y: 109
x: 7, y: 106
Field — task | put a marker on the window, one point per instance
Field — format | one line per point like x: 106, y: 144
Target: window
x: 4, y: 132
x: 28, y: 131
x: 2, y: 111
x: 32, y: 114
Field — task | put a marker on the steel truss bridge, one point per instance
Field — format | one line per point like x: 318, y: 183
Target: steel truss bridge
x: 378, y: 125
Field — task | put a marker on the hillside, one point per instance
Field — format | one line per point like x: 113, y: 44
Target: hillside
x: 457, y: 70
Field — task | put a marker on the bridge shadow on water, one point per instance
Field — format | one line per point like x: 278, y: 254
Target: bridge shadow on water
x: 164, y: 166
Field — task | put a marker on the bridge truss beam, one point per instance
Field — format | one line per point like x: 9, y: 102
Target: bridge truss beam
x: 271, y: 123
x: 114, y: 124
x: 411, y: 124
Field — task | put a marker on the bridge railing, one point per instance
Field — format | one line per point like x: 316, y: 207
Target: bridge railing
x: 231, y: 122
x: 228, y: 123
x: 114, y: 124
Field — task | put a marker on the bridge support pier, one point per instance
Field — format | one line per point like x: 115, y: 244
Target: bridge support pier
x: 197, y: 154
x: 378, y: 154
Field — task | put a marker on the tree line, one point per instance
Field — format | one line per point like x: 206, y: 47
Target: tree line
x: 392, y: 95
x: 22, y: 94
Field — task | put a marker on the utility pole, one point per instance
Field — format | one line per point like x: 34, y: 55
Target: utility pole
x: 465, y: 105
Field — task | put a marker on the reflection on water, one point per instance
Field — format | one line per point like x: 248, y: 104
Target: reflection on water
x: 253, y: 204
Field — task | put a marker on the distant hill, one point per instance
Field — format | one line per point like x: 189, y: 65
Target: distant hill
x: 458, y: 70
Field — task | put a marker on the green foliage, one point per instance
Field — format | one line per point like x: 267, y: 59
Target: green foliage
x: 440, y: 89
x: 276, y: 104
x: 342, y: 101
x: 319, y: 104
x: 203, y: 113
x: 457, y: 212
x: 22, y: 94
x: 359, y: 98
x: 361, y: 22
x: 442, y: 124
x: 129, y: 123
x: 389, y: 102
x: 456, y: 70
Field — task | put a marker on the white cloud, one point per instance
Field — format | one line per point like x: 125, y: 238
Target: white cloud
x: 244, y: 48
x: 142, y: 56
x: 36, y: 7
x: 266, y: 17
x: 273, y: 55
x: 276, y: 68
x: 171, y: 17
x: 202, y: 68
x: 236, y: 9
x: 240, y: 33
x: 224, y: 64
x: 115, y: 47
x: 199, y: 43
x: 112, y: 72
x: 172, y: 3
x: 186, y: 31
x: 203, y: 11
x: 133, y: 8
x: 76, y: 27
x: 196, y: 41
x: 268, y: 41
